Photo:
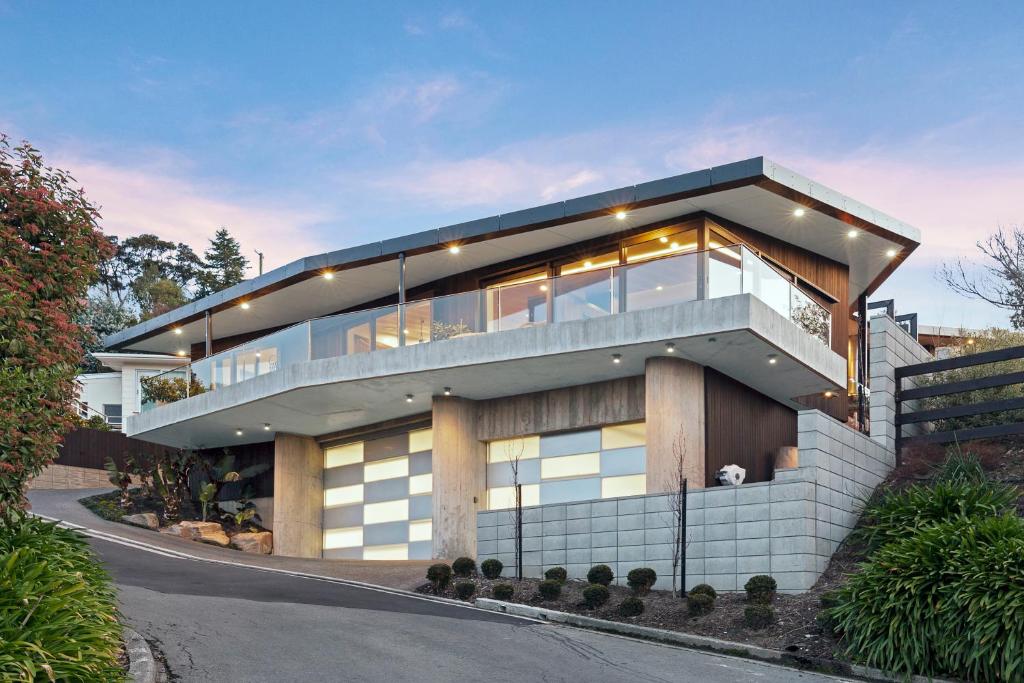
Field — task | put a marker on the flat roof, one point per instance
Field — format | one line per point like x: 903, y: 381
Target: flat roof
x: 755, y: 192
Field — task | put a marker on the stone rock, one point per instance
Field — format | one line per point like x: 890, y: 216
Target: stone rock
x: 261, y: 542
x: 206, y: 532
x: 147, y: 520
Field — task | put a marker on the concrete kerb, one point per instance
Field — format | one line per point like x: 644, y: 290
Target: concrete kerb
x: 141, y: 663
x: 166, y: 552
x: 696, y: 642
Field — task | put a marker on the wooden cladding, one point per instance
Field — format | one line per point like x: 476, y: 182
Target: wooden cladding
x: 743, y: 428
x: 579, y: 407
x: 84, y: 447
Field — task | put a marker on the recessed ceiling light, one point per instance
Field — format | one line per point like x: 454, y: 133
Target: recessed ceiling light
x: 588, y: 264
x: 616, y: 358
x: 408, y: 398
x: 454, y: 249
x: 663, y: 240
x: 447, y: 391
x: 266, y: 426
x: 621, y: 215
x: 772, y: 359
x: 238, y: 432
x: 829, y: 394
x: 245, y: 305
x: 181, y: 352
x: 891, y: 253
x: 659, y: 288
x: 177, y: 330
x: 674, y: 245
x: 852, y: 233
x: 328, y: 275
x: 670, y: 347
x: 257, y: 354
x: 799, y: 211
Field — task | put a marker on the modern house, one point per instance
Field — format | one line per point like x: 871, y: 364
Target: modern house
x: 117, y: 392
x: 717, y: 316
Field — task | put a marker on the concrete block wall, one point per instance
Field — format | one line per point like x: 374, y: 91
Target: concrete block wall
x: 891, y: 347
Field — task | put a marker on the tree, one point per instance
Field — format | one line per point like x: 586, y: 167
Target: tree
x: 1000, y: 282
x: 50, y: 253
x: 225, y: 266
x: 101, y: 316
x: 147, y: 275
x: 676, y: 486
x: 514, y: 449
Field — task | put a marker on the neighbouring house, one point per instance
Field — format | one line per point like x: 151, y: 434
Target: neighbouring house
x: 117, y: 392
x: 719, y: 315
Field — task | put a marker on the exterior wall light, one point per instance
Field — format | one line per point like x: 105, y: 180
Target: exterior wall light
x: 408, y: 398
x: 852, y: 234
x: 245, y: 305
x: 621, y: 215
x: 454, y: 249
x: 447, y: 391
x: 616, y: 358
x: 670, y: 347
x: 799, y: 211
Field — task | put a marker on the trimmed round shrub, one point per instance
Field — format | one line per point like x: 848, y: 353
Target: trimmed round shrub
x: 758, y: 616
x: 463, y: 567
x: 641, y: 580
x: 704, y: 588
x: 549, y: 590
x: 595, y: 595
x: 491, y: 569
x: 955, y: 590
x: 439, y: 575
x: 631, y: 607
x: 556, y: 574
x: 503, y: 591
x: 465, y: 589
x: 601, y: 573
x: 760, y: 588
x: 699, y: 604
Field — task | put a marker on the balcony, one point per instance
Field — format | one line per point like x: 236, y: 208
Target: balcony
x: 591, y: 292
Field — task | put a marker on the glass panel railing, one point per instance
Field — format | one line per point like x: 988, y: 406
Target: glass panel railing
x: 581, y: 295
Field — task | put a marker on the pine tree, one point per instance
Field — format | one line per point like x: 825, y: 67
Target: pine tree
x: 225, y: 265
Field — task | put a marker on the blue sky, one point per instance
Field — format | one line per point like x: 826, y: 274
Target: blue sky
x: 309, y: 127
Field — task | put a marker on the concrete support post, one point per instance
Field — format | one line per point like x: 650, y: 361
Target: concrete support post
x: 298, y: 496
x: 460, y: 477
x: 674, y: 396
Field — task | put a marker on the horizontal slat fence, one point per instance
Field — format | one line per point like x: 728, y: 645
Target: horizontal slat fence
x: 90, y: 448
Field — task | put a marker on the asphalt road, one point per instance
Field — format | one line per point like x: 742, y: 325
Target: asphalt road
x: 220, y: 623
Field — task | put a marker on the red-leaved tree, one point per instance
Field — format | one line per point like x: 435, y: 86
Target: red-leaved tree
x: 50, y: 251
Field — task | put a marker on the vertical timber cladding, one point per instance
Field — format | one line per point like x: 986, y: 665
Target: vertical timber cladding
x: 378, y: 495
x: 744, y: 428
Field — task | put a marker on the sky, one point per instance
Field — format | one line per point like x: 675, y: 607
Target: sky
x: 306, y: 127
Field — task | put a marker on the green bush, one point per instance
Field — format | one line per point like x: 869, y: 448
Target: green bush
x: 465, y: 589
x: 828, y: 601
x: 960, y: 466
x: 895, y: 514
x: 641, y: 580
x: 463, y: 567
x: 439, y: 575
x: 704, y: 588
x: 595, y: 595
x: 760, y: 588
x: 503, y: 591
x: 945, y: 601
x: 758, y: 616
x: 631, y: 607
x: 556, y: 574
x: 600, y: 573
x: 549, y: 590
x: 698, y: 604
x: 491, y: 569
x: 58, y: 610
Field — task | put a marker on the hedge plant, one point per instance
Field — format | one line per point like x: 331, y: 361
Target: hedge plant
x: 601, y: 573
x: 503, y: 591
x: 491, y: 569
x: 631, y: 607
x: 439, y: 575
x: 945, y: 601
x: 556, y: 574
x: 698, y: 604
x: 463, y: 567
x: 760, y: 588
x: 595, y: 595
x: 465, y: 589
x: 705, y: 588
x: 641, y: 580
x: 758, y: 616
x: 549, y: 590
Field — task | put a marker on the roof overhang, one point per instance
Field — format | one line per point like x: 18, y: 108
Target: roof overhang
x: 756, y: 193
x: 117, y: 361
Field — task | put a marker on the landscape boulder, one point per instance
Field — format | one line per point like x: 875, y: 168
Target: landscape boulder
x: 206, y: 532
x: 147, y: 520
x: 260, y: 542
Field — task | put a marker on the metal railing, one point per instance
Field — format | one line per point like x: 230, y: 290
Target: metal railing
x: 583, y: 294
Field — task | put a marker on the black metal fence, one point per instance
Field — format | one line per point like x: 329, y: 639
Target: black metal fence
x: 964, y: 410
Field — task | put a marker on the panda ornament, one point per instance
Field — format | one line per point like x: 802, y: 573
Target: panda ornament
x: 731, y: 475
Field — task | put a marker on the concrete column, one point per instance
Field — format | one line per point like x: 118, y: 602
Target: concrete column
x: 674, y: 397
x: 298, y: 496
x: 460, y: 477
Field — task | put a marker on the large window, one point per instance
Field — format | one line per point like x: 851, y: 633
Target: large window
x: 378, y: 498
x: 559, y: 468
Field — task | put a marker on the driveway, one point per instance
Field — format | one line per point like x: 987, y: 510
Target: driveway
x: 216, y: 622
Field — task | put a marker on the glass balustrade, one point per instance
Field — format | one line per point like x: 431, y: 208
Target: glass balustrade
x: 581, y: 295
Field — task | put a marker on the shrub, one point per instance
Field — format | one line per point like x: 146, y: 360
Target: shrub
x: 955, y: 591
x: 896, y: 514
x: 698, y: 604
x: 439, y: 575
x: 491, y: 569
x: 600, y: 573
x: 760, y: 588
x: 758, y: 616
x: 595, y: 595
x: 960, y: 466
x: 556, y: 574
x: 503, y: 591
x: 704, y: 588
x: 463, y: 567
x: 641, y: 580
x: 631, y: 607
x: 465, y: 589
x: 549, y: 590
x: 58, y: 610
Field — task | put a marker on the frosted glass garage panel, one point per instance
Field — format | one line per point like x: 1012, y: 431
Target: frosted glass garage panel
x: 378, y: 498
x: 590, y: 464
